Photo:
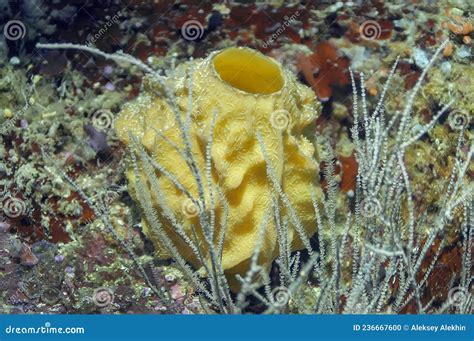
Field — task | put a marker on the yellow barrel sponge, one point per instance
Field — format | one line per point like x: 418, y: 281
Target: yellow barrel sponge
x: 246, y: 92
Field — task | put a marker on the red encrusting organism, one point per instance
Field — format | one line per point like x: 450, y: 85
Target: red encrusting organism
x: 346, y: 168
x: 324, y: 69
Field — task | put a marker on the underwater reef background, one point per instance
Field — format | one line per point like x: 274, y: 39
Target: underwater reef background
x: 148, y: 165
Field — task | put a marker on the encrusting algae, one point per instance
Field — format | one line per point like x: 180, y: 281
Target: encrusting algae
x: 247, y: 94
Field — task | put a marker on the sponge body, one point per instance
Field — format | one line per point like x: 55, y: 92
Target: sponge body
x: 247, y: 93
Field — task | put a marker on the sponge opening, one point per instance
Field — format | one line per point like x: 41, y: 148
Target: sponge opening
x: 249, y: 71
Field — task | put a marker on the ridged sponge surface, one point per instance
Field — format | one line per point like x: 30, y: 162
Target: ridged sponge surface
x: 247, y: 93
